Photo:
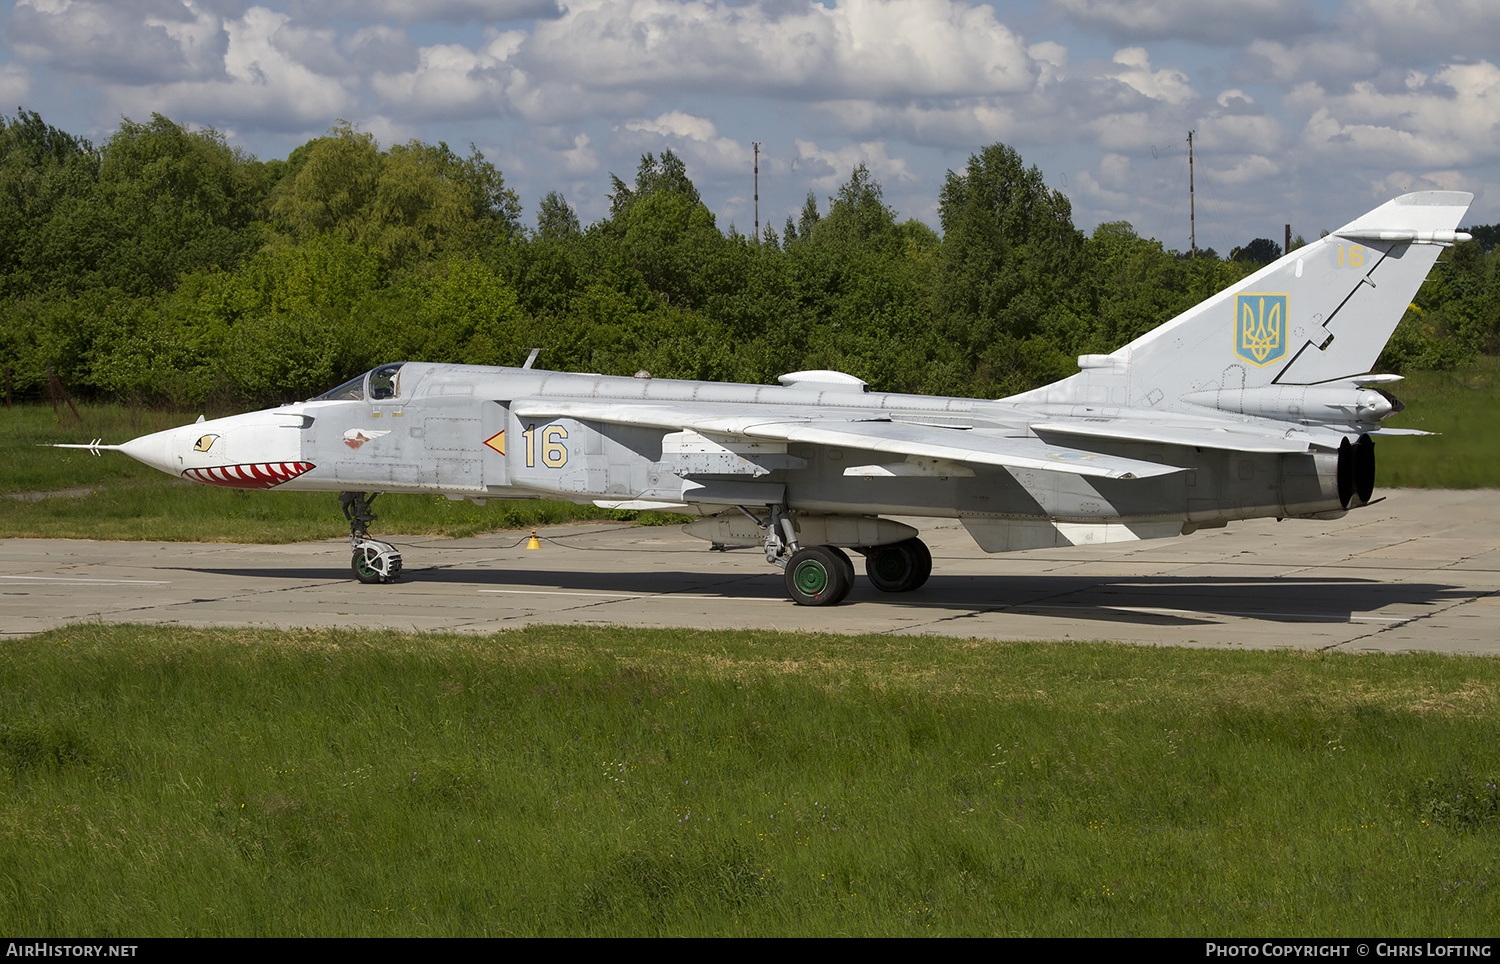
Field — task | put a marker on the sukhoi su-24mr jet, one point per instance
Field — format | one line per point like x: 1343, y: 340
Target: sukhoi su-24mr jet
x: 1255, y: 403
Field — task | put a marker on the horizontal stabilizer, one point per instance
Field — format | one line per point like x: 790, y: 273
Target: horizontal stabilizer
x: 1235, y: 439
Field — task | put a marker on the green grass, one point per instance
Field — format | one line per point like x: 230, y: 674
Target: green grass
x: 560, y: 781
x: 1464, y: 406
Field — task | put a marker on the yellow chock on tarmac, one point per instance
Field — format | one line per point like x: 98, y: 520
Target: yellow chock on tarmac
x: 533, y: 542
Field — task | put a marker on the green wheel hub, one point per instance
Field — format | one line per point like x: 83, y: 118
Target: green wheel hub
x: 811, y: 577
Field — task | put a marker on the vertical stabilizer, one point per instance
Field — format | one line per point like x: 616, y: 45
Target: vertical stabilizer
x: 1318, y: 314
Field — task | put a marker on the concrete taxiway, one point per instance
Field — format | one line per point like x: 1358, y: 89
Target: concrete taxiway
x: 1418, y: 571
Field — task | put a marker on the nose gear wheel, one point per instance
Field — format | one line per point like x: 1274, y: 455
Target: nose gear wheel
x: 373, y: 562
x: 376, y: 562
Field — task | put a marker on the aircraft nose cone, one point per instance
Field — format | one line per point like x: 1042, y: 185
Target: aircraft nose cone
x: 155, y: 450
x: 261, y: 454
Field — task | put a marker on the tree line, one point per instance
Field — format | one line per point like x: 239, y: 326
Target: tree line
x: 166, y: 266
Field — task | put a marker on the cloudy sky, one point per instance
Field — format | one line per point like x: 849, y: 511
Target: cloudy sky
x: 1305, y: 111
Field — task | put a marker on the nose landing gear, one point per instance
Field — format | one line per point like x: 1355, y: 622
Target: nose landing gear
x: 374, y: 561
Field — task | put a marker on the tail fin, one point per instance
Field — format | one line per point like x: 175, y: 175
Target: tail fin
x: 1318, y: 314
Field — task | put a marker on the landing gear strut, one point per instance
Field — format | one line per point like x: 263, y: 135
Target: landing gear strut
x: 374, y: 561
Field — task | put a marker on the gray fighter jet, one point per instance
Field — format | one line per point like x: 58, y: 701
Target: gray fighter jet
x: 1255, y: 403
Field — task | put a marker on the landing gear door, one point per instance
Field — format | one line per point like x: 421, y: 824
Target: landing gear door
x: 494, y: 421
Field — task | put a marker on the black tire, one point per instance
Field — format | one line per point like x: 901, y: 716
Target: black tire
x: 818, y: 576
x: 924, y: 562
x: 847, y: 565
x: 365, y: 570
x: 899, y: 567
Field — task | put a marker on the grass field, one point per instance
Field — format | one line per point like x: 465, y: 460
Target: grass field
x: 575, y: 781
x: 1464, y: 406
x: 131, y: 501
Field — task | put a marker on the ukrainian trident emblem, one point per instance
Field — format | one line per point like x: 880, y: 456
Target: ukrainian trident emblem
x: 1260, y: 328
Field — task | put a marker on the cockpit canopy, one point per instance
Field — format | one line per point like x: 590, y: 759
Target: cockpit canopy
x: 377, y: 384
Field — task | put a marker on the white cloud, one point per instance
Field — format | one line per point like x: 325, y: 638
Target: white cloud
x: 386, y: 130
x: 1115, y: 172
x: 380, y: 44
x: 1135, y: 71
x: 453, y: 81
x: 429, y: 11
x: 1330, y: 60
x: 830, y: 168
x: 569, y: 89
x: 1051, y: 59
x: 1399, y: 29
x: 676, y: 124
x: 1103, y: 198
x: 580, y: 158
x: 160, y: 40
x: 1239, y: 133
x: 1129, y: 132
x: 265, y: 84
x: 696, y: 140
x: 450, y: 80
x: 1244, y: 169
x: 15, y: 84
x: 1402, y: 182
x: 957, y: 125
x: 880, y: 49
x: 1227, y: 22
x: 1450, y: 118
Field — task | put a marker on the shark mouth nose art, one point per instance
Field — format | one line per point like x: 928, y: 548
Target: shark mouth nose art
x: 251, y: 475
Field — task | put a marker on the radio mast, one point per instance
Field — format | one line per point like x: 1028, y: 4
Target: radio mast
x: 757, y: 191
x: 1192, y: 218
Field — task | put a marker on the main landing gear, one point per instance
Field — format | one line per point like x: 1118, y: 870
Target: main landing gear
x: 374, y: 561
x: 822, y: 575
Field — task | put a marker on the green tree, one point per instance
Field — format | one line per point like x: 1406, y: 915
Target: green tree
x: 809, y: 217
x: 1010, y: 256
x: 1261, y: 251
x: 666, y: 175
x: 176, y: 201
x: 858, y: 218
x: 1128, y: 285
x: 43, y: 172
x: 155, y: 202
x: 294, y: 320
x: 411, y: 203
x: 555, y: 218
x: 664, y: 231
x: 329, y: 184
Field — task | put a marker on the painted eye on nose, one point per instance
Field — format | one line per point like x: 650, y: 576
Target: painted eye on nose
x: 205, y: 443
